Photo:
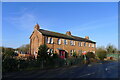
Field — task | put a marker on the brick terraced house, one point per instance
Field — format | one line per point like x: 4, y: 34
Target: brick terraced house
x: 62, y: 44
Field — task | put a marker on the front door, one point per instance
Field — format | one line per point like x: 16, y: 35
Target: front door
x: 62, y: 54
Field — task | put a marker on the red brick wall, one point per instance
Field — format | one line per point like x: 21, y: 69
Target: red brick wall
x: 38, y: 39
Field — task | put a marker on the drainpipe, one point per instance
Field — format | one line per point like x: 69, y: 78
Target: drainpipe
x: 53, y: 47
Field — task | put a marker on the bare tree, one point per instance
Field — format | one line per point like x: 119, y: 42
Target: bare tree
x: 111, y: 49
x: 24, y: 48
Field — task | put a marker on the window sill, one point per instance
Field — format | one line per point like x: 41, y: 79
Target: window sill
x: 49, y: 43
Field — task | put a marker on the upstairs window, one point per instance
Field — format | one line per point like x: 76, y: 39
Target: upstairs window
x: 84, y: 43
x: 72, y: 43
x: 79, y: 43
x: 46, y: 40
x: 65, y: 41
x: 49, y: 40
x: 89, y: 45
x: 93, y: 45
x: 59, y: 41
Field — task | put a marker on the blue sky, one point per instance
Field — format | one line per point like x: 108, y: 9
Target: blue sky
x: 98, y: 20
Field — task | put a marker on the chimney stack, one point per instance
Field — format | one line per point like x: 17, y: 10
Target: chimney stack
x: 86, y: 37
x: 68, y: 33
x: 37, y: 27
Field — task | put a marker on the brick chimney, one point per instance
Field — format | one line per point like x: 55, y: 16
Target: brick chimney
x: 86, y: 37
x: 37, y: 27
x: 68, y: 33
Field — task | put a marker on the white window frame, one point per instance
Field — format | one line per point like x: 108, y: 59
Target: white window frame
x: 74, y: 43
x: 65, y: 42
x: 71, y: 54
x: 79, y: 43
x: 89, y: 44
x: 48, y: 51
x: 84, y: 44
x: 51, y: 50
x: 79, y: 52
x: 48, y: 40
x: 74, y: 51
x: 51, y: 41
x: 93, y: 51
x: 59, y: 41
x: 71, y: 43
x: 93, y: 45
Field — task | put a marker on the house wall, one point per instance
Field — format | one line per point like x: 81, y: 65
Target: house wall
x: 37, y: 39
x: 68, y: 47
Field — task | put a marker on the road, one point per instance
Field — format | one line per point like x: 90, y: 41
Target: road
x: 99, y: 70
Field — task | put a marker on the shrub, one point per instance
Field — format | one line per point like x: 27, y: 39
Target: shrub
x: 42, y: 52
x: 9, y: 64
x: 111, y: 49
x: 90, y: 55
x: 22, y: 64
x: 74, y: 54
x: 102, y: 55
x: 73, y: 61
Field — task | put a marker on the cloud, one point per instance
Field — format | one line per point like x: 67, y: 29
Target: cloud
x: 25, y: 21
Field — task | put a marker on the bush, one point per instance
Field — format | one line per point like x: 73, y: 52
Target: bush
x: 73, y: 61
x: 74, y: 54
x: 55, y: 61
x: 90, y: 55
x: 102, y: 55
x: 22, y: 64
x: 9, y: 64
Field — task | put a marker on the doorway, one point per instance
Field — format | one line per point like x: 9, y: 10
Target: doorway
x: 62, y: 54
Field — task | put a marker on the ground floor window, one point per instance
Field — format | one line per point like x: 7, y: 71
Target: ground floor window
x: 50, y: 51
x: 71, y: 52
x: 93, y: 51
x: 79, y: 52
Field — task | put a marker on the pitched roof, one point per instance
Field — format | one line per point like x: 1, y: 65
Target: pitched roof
x: 60, y: 35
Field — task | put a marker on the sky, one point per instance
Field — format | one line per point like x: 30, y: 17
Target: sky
x: 98, y: 20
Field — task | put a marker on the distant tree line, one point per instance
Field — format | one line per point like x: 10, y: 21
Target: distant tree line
x: 24, y: 48
x: 102, y: 51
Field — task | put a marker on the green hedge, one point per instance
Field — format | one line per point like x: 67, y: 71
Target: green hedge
x: 10, y: 64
